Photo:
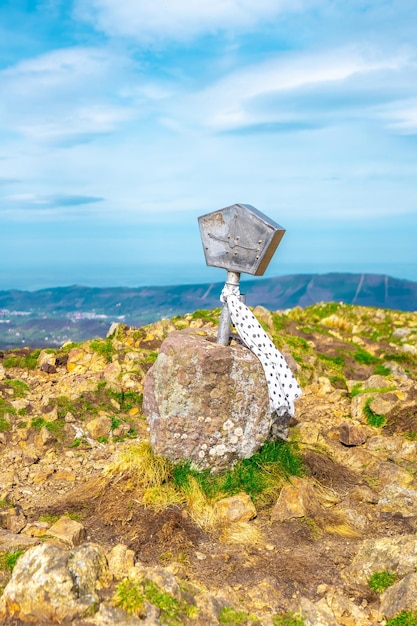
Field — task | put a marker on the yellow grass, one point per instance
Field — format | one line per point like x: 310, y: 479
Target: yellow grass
x: 139, y: 463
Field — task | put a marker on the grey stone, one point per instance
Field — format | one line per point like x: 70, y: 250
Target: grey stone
x: 206, y: 403
x: 401, y: 596
x: 393, y: 554
x: 395, y: 499
x: 51, y: 585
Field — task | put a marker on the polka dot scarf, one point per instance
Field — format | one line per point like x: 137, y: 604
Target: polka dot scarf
x: 282, y: 386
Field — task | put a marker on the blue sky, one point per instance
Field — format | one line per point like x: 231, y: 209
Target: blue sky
x: 122, y: 121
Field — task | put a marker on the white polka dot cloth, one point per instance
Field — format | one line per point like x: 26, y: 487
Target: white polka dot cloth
x: 282, y: 386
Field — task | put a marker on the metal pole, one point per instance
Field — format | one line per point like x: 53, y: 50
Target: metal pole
x: 223, y: 335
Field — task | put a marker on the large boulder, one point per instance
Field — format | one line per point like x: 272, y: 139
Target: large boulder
x: 51, y: 585
x: 206, y: 403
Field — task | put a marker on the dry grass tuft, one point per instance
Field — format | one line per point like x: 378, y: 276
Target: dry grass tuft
x: 162, y: 496
x: 241, y: 532
x: 138, y: 463
x: 342, y: 529
x: 202, y: 512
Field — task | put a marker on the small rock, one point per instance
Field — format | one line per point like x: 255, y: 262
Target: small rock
x: 399, y: 333
x: 36, y: 529
x: 108, y: 615
x: 71, y: 532
x: 401, y: 596
x: 296, y: 499
x: 237, y: 508
x: 409, y: 348
x: 46, y: 358
x: 48, y: 368
x: 393, y: 554
x: 15, y: 519
x: 382, y: 403
x: 114, y: 327
x: 13, y: 541
x: 362, y: 493
x: 391, y: 474
x: 396, y: 499
x: 120, y: 560
x: 45, y: 438
x: 99, y: 427
x: 317, y: 615
x: 351, y: 435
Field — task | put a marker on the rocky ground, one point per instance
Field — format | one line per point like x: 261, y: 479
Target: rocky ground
x: 335, y: 544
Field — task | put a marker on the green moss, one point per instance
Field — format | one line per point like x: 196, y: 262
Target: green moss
x: 103, y: 347
x: 8, y: 559
x: 48, y: 518
x: 372, y: 418
x: 4, y: 424
x: 207, y: 316
x: 259, y: 476
x: 334, y: 360
x: 24, y: 362
x: 363, y: 357
x: 64, y: 406
x: 381, y: 370
x: 131, y: 596
x: 56, y: 427
x: 406, y: 618
x: 20, y: 388
x: 233, y: 617
x: 287, y: 619
x: 358, y: 389
x: 379, y: 581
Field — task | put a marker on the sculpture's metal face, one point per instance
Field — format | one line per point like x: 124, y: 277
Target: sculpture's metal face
x: 239, y: 238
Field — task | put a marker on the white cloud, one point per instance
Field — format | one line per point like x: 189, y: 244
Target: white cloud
x: 66, y: 93
x: 402, y: 117
x: 180, y: 20
x: 233, y: 102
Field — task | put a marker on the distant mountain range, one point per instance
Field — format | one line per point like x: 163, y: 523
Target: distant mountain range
x: 50, y: 316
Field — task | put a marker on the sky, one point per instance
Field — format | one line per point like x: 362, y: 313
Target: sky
x: 122, y: 121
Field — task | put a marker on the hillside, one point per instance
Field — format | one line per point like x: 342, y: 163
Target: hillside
x: 97, y: 530
x: 51, y: 316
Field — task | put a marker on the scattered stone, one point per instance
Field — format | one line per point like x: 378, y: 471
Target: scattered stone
x: 49, y: 584
x: 238, y: 508
x: 402, y: 596
x: 48, y: 368
x: 383, y: 403
x: 99, y: 427
x: 120, y: 560
x: 36, y: 529
x: 69, y: 531
x: 399, y: 333
x: 391, y: 554
x: 395, y: 499
x: 315, y: 614
x: 297, y: 499
x: 12, y: 541
x: 391, y: 474
x: 45, y: 359
x: 351, y: 435
x: 12, y: 519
